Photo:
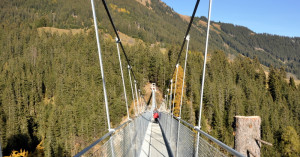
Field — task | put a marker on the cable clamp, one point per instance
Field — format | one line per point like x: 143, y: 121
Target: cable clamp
x: 179, y: 118
x: 187, y: 37
x: 118, y: 40
x: 197, y: 127
x: 111, y: 130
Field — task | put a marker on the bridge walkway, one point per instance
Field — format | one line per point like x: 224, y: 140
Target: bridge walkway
x: 154, y: 144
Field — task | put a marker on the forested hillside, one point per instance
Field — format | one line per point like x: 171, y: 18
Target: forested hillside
x: 50, y: 83
x: 154, y: 22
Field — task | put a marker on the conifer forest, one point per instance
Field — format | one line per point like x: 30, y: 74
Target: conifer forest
x: 51, y: 98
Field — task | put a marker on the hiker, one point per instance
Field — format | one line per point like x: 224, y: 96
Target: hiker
x: 155, y: 116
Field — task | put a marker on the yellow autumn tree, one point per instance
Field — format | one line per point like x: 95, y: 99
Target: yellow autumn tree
x: 22, y: 153
x: 178, y: 90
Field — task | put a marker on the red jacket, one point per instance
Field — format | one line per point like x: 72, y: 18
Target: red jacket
x: 155, y: 115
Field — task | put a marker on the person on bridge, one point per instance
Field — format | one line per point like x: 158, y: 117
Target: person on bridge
x: 155, y: 116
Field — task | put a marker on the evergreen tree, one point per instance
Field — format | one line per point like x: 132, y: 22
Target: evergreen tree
x: 290, y: 142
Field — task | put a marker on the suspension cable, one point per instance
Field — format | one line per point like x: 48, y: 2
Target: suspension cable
x: 187, y: 32
x: 116, y: 32
x: 121, y: 45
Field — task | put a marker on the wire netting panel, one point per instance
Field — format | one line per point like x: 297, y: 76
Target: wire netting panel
x: 127, y: 141
x: 105, y: 150
x: 140, y: 130
x: 186, y: 142
x: 207, y: 150
x: 178, y: 133
x: 169, y: 126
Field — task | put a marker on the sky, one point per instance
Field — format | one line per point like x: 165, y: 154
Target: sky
x: 281, y: 17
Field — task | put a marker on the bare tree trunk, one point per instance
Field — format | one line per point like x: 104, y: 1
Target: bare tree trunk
x: 247, y: 130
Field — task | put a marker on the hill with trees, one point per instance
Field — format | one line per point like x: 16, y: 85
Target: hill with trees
x: 51, y: 102
x: 153, y: 21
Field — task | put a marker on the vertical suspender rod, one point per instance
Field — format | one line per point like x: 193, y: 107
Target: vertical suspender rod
x: 137, y: 97
x: 121, y: 69
x: 102, y: 75
x: 132, y: 90
x: 203, y: 75
x: 184, y: 71
x: 177, y: 67
x: 101, y: 65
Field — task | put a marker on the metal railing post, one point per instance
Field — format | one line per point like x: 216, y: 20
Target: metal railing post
x: 171, y: 113
x: 0, y: 150
x: 203, y: 76
x: 167, y: 99
x: 141, y: 102
x: 181, y: 99
x: 166, y: 102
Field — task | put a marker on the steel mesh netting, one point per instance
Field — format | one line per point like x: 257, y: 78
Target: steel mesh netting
x: 187, y: 139
x: 169, y: 127
x: 127, y: 141
x: 207, y: 150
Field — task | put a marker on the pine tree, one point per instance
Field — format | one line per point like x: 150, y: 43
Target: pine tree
x: 290, y: 142
x: 292, y: 83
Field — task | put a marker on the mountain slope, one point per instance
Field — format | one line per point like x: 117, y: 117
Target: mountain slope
x: 153, y: 21
x: 51, y: 87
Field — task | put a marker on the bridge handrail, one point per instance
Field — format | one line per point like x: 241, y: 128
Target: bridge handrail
x: 221, y: 144
x: 101, y: 139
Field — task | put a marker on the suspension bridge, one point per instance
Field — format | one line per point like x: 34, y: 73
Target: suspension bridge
x: 171, y: 135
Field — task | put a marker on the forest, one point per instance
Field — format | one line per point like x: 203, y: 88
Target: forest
x: 154, y: 23
x: 51, y: 100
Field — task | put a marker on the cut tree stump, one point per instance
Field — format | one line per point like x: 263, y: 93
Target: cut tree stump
x: 247, y: 130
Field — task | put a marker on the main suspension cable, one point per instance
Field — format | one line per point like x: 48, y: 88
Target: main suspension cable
x: 116, y: 32
x: 186, y: 34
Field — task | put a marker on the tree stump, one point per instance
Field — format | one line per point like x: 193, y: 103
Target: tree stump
x: 246, y: 131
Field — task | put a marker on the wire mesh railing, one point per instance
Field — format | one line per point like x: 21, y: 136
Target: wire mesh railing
x: 125, y: 141
x: 181, y: 137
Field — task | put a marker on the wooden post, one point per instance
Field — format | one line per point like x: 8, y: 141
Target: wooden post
x: 247, y: 130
